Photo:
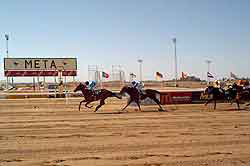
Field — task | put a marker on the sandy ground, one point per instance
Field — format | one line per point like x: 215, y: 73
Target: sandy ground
x: 48, y: 132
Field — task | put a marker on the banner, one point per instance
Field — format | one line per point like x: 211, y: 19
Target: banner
x: 176, y: 97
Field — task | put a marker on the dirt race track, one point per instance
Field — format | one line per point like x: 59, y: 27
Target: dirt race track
x: 47, y: 132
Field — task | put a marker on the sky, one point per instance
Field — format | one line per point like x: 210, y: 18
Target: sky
x: 119, y: 32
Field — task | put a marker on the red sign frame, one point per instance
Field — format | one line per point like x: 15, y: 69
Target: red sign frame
x: 22, y: 73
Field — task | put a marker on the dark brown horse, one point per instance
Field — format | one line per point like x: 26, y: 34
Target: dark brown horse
x: 215, y: 94
x: 89, y: 96
x: 242, y: 93
x: 136, y: 96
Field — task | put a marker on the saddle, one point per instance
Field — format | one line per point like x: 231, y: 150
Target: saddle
x: 141, y: 93
x: 95, y: 93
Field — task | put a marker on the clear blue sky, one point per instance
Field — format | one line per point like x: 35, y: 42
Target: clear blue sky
x: 118, y: 32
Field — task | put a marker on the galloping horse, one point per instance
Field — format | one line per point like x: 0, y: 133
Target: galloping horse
x: 101, y: 95
x: 219, y: 94
x: 136, y: 96
x: 242, y: 94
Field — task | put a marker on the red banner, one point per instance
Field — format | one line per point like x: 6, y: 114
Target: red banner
x: 176, y: 98
x: 18, y: 73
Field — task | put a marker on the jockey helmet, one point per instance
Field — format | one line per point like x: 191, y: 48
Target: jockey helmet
x: 87, y: 83
x: 217, y: 82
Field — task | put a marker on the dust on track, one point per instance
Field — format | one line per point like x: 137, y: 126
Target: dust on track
x: 52, y: 133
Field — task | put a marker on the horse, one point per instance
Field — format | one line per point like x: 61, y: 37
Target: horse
x: 242, y: 94
x: 136, y: 96
x: 220, y: 94
x: 89, y: 96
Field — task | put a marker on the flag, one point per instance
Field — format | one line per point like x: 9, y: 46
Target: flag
x: 233, y: 75
x: 6, y: 37
x: 174, y: 40
x: 209, y: 75
x: 105, y: 75
x: 183, y: 75
x: 132, y: 75
x: 158, y: 74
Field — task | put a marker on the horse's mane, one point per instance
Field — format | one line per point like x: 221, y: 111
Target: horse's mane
x: 126, y: 87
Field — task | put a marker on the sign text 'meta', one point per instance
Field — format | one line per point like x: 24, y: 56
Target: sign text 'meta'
x: 40, y: 63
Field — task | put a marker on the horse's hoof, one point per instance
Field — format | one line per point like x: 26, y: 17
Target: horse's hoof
x: 161, y: 110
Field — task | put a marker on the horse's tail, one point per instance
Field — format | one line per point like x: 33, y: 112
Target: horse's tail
x: 153, y: 91
x: 117, y: 95
x: 158, y: 92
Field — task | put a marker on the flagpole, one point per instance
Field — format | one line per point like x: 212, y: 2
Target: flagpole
x: 208, y: 68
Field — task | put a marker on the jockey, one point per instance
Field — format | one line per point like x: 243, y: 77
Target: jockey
x: 216, y: 84
x: 91, y: 85
x: 138, y: 85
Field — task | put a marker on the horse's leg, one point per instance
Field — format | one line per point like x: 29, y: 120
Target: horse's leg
x: 129, y: 102
x: 208, y: 101
x: 86, y: 105
x: 238, y: 104
x: 137, y: 102
x: 157, y: 102
x: 248, y: 102
x: 101, y: 103
x: 230, y: 101
x: 215, y: 104
x: 81, y: 104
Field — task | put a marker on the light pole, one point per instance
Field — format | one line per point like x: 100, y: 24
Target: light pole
x: 7, y: 56
x: 7, y: 48
x: 208, y: 68
x: 140, y: 62
x: 175, y: 60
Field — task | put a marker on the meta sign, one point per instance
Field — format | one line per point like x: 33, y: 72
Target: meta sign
x: 17, y: 67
